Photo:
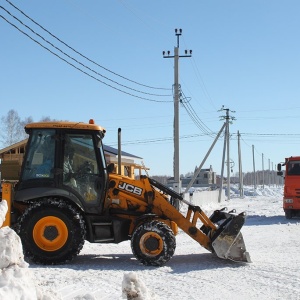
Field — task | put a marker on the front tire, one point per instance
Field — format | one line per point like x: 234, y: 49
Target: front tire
x: 153, y: 243
x: 288, y: 214
x: 52, y: 232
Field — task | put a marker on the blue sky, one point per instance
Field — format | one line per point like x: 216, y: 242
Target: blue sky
x: 245, y: 57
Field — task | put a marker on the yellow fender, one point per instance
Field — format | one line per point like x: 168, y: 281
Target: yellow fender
x: 7, y: 195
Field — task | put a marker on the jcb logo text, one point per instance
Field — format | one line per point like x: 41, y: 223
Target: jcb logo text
x: 130, y: 188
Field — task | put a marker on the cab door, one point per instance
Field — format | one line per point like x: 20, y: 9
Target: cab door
x: 83, y: 171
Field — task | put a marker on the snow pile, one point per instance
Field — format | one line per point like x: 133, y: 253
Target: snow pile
x: 105, y: 271
x: 3, y: 210
x: 266, y: 191
x: 134, y: 288
x: 16, y: 279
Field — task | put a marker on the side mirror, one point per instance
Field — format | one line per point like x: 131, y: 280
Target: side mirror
x: 110, y: 168
x: 279, y: 167
x: 279, y: 173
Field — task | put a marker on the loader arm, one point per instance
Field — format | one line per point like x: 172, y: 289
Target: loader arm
x: 219, y: 233
x: 136, y: 199
x: 186, y: 223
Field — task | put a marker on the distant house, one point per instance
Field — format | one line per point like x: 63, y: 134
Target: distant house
x: 12, y: 156
x: 206, y: 177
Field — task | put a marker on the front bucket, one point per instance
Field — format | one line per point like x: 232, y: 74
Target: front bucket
x: 228, y: 242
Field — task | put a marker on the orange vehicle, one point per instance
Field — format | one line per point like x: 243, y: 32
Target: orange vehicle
x: 291, y: 194
x: 67, y: 193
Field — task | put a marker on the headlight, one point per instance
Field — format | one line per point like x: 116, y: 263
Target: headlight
x: 286, y: 200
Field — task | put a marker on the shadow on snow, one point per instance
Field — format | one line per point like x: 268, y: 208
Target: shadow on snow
x: 127, y: 262
x: 255, y: 220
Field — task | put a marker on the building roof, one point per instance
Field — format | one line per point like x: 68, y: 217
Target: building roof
x: 114, y: 151
x: 16, y: 145
x: 107, y: 149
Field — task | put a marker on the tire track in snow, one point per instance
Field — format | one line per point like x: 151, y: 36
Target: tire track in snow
x: 113, y: 291
x: 276, y: 279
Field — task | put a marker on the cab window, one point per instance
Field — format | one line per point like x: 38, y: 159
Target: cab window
x: 294, y: 168
x: 40, y: 157
x: 80, y: 167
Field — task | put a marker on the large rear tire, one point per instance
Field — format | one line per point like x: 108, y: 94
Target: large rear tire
x: 52, y: 232
x: 153, y: 243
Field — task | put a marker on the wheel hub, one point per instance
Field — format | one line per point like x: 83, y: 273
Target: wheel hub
x: 151, y: 244
x: 51, y: 233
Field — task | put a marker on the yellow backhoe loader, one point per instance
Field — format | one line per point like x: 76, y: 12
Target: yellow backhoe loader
x: 66, y: 194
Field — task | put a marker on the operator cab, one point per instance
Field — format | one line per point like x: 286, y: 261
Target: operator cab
x: 64, y: 159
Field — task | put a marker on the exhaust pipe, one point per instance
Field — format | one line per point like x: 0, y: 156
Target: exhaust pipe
x: 119, y: 152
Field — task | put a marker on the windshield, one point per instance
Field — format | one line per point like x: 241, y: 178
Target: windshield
x: 41, y: 154
x: 293, y: 167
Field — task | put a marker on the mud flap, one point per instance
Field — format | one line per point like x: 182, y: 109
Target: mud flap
x: 228, y: 242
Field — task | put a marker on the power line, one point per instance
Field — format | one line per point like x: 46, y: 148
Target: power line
x: 253, y: 147
x: 156, y: 140
x: 193, y: 115
x: 77, y: 68
x: 200, y: 80
x: 90, y: 60
x: 272, y: 134
x: 190, y: 136
x: 72, y: 58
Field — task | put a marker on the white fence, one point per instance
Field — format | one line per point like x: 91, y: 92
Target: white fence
x: 204, y: 197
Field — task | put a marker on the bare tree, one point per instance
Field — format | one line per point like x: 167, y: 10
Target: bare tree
x: 10, y: 131
x: 12, y: 128
x: 23, y: 134
x: 46, y: 119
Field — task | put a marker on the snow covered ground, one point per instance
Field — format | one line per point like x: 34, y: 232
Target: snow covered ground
x: 102, y: 271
